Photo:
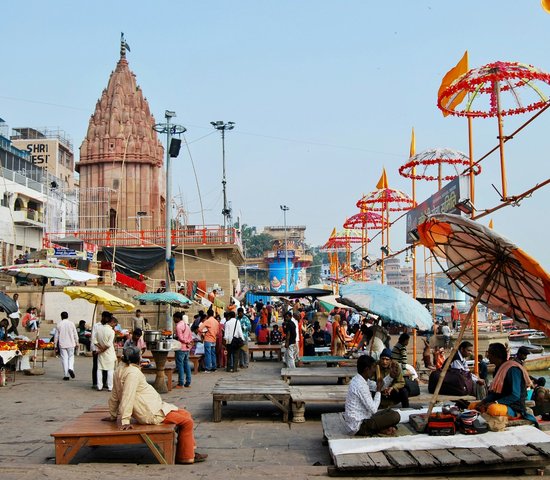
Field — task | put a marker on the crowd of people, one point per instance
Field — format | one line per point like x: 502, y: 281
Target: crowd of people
x: 385, y: 378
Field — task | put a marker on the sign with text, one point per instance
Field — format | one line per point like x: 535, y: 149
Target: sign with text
x: 42, y: 151
x: 281, y: 254
x: 443, y: 201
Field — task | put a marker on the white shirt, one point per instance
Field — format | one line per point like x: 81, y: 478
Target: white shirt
x: 230, y: 327
x: 66, y: 335
x: 446, y: 331
x: 360, y: 405
x: 16, y: 314
x: 460, y: 363
x: 95, y: 329
x: 106, y: 360
x: 298, y: 333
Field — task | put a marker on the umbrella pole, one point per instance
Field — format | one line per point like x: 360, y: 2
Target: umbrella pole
x: 463, y: 327
x: 93, y: 315
x: 158, y: 316
x: 501, y: 143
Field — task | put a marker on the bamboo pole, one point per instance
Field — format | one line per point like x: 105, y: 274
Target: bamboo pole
x: 463, y: 327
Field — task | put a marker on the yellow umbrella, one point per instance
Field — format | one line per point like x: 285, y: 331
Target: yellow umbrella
x: 99, y: 296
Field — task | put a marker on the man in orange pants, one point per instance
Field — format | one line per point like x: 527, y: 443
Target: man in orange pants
x: 133, y: 397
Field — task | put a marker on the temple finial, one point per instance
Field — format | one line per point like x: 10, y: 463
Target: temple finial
x: 123, y: 46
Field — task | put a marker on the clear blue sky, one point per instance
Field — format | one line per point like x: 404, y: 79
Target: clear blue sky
x: 323, y: 93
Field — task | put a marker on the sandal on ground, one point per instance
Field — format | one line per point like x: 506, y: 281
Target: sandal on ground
x: 197, y: 459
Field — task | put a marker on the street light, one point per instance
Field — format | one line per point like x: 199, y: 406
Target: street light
x: 169, y: 129
x: 285, y: 209
x: 222, y: 127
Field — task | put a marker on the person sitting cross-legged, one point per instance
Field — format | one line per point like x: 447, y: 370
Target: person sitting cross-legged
x: 133, y: 397
x: 361, y: 416
x: 391, y: 373
x: 508, y: 390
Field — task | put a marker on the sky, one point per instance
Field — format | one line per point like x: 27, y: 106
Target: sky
x: 323, y: 94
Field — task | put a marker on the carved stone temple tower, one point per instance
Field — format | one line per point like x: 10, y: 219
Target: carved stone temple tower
x: 122, y: 182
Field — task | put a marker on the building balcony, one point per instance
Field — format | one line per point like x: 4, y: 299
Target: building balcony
x: 28, y: 218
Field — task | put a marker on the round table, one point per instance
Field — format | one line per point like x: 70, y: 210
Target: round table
x: 160, y: 356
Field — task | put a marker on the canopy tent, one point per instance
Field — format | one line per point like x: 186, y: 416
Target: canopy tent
x: 303, y: 292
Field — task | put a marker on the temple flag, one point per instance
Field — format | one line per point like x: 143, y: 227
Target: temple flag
x: 459, y: 69
x: 383, y: 182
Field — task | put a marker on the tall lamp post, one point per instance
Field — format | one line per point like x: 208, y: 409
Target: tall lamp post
x: 172, y: 151
x: 222, y: 127
x: 285, y: 209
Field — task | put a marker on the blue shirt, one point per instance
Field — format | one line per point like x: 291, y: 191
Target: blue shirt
x: 246, y: 326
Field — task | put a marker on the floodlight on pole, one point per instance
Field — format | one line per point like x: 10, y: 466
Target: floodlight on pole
x: 465, y: 206
x: 285, y: 209
x: 222, y: 127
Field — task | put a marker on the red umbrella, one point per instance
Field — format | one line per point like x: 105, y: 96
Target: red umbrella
x: 362, y: 221
x: 441, y: 164
x: 385, y: 200
x: 479, y: 93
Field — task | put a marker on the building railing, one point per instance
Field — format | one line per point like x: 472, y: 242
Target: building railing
x: 190, y: 235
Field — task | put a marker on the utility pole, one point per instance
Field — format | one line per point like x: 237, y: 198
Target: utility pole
x: 172, y: 150
x: 226, y: 211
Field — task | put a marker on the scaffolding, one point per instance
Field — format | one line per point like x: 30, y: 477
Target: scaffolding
x: 96, y: 208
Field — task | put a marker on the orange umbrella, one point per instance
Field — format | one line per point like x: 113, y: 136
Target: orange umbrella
x: 490, y: 268
x: 482, y: 263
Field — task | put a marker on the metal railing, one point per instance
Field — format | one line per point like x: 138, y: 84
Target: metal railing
x: 207, y: 235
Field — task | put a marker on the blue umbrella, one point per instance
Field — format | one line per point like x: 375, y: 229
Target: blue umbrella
x: 7, y: 304
x: 170, y: 298
x: 388, y: 303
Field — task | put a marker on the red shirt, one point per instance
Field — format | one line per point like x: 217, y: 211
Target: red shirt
x: 263, y: 335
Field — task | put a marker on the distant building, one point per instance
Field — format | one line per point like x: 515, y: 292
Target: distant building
x: 396, y: 276
x: 50, y: 149
x: 22, y: 201
x: 274, y: 261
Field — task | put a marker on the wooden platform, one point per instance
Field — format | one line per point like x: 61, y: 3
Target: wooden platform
x: 255, y: 348
x: 88, y: 430
x: 328, y: 359
x: 343, y: 374
x: 445, y: 461
x: 228, y: 389
x: 300, y: 395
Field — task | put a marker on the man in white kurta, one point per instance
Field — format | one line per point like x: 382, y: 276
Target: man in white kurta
x: 106, y: 358
x: 66, y: 341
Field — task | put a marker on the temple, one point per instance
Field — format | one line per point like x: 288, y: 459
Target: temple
x: 122, y: 184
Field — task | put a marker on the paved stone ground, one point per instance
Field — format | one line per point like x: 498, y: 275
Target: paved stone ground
x: 250, y: 442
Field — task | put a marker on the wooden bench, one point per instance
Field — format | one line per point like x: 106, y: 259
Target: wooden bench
x: 300, y: 395
x: 330, y: 360
x: 343, y: 374
x: 441, y: 461
x: 254, y: 347
x: 88, y: 430
x: 229, y: 389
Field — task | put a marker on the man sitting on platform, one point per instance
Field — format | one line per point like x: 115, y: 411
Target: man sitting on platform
x: 361, y: 415
x: 508, y: 390
x: 133, y: 397
x: 390, y: 372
